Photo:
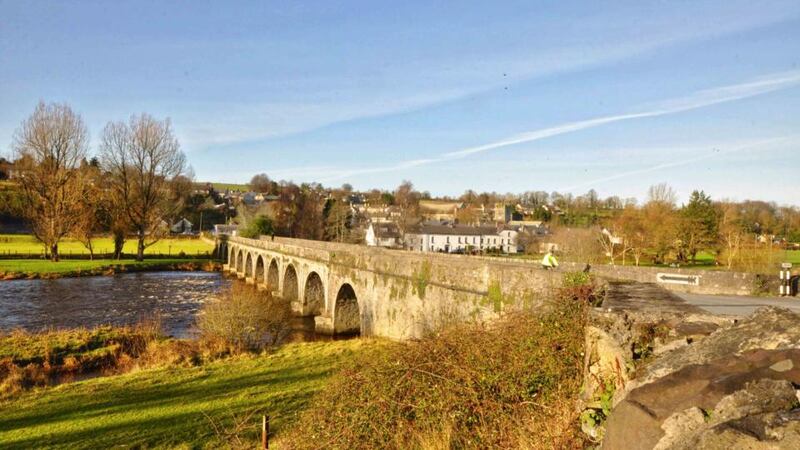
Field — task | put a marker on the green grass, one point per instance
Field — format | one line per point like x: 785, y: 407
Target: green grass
x: 75, y: 266
x: 792, y: 256
x: 167, y: 408
x: 22, y: 243
x: 221, y: 187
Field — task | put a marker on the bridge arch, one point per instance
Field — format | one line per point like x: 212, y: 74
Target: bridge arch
x: 258, y: 276
x: 290, y: 284
x: 273, y: 275
x: 240, y: 261
x: 314, y: 295
x: 248, y: 265
x: 346, y: 313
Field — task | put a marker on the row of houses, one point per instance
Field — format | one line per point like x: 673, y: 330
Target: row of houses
x: 450, y: 237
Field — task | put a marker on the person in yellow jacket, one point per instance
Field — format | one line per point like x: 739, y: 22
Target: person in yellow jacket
x: 549, y: 262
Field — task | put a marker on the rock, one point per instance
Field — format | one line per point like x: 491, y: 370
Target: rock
x: 605, y: 362
x: 722, y: 389
x: 767, y: 328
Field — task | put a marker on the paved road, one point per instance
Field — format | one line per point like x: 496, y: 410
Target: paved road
x: 738, y: 305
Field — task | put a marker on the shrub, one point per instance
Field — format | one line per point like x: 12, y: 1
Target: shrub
x: 510, y: 384
x: 583, y: 287
x: 244, y: 318
x: 261, y: 225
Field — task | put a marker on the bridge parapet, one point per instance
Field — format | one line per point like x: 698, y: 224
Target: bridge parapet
x: 399, y: 293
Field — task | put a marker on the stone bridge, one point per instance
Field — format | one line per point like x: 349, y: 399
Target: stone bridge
x: 354, y: 289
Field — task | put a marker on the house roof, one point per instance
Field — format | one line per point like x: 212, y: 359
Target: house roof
x: 455, y: 230
x: 386, y: 230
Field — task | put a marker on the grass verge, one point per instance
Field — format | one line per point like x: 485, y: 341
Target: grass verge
x: 11, y: 269
x: 174, y: 407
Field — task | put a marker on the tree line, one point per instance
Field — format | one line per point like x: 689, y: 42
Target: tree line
x: 126, y: 189
x: 732, y: 232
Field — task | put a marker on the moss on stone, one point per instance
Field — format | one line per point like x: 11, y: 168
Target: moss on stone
x: 421, y: 279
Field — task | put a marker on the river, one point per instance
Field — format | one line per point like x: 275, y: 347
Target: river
x: 124, y: 299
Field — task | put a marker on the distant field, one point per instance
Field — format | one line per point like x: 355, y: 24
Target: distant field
x: 21, y: 243
x: 230, y: 186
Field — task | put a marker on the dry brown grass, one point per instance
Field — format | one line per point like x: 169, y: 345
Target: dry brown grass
x: 51, y: 357
x: 513, y: 384
x: 245, y: 319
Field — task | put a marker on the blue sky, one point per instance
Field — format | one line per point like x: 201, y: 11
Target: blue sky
x: 496, y: 96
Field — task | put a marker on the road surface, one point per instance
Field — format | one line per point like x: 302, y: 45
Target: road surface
x: 738, y: 305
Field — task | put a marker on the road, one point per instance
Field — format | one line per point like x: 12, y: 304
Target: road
x: 738, y: 305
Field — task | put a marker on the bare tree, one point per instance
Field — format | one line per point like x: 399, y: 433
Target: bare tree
x: 142, y: 157
x: 407, y: 200
x: 88, y: 214
x: 260, y: 183
x: 50, y: 145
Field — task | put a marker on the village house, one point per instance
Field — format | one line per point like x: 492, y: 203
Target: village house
x: 383, y: 234
x: 182, y: 226
x: 453, y: 238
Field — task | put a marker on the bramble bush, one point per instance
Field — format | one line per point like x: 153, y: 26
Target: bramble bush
x: 512, y: 383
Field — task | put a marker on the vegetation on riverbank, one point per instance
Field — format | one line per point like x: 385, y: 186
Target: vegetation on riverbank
x: 13, y: 269
x: 511, y: 384
x: 175, y: 407
x: 30, y: 360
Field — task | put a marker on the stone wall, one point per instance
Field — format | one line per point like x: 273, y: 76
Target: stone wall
x: 714, y: 282
x: 400, y: 294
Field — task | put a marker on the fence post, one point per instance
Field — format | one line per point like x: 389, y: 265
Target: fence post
x: 265, y: 432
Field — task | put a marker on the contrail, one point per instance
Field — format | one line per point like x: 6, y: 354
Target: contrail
x: 700, y: 99
x: 759, y: 145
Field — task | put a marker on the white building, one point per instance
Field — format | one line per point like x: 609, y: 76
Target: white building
x: 460, y: 239
x: 383, y: 234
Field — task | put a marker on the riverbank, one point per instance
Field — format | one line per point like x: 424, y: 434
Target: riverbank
x: 17, y: 269
x: 180, y: 406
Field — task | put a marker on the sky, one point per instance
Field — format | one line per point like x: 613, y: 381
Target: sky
x: 490, y: 96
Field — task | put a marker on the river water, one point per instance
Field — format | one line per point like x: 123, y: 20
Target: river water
x: 124, y: 299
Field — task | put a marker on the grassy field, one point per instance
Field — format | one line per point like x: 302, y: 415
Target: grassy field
x: 222, y: 187
x: 21, y: 243
x: 174, y: 408
x: 77, y: 266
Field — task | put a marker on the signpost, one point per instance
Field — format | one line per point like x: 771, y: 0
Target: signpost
x: 675, y: 278
x: 786, y: 279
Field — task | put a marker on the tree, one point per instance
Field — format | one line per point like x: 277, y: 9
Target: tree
x: 659, y: 220
x: 630, y: 226
x: 469, y: 214
x: 5, y: 168
x: 731, y: 232
x: 261, y: 225
x: 89, y: 213
x: 697, y: 227
x: 337, y: 221
x: 407, y: 201
x: 662, y: 193
x: 142, y: 157
x: 260, y: 183
x: 50, y: 145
